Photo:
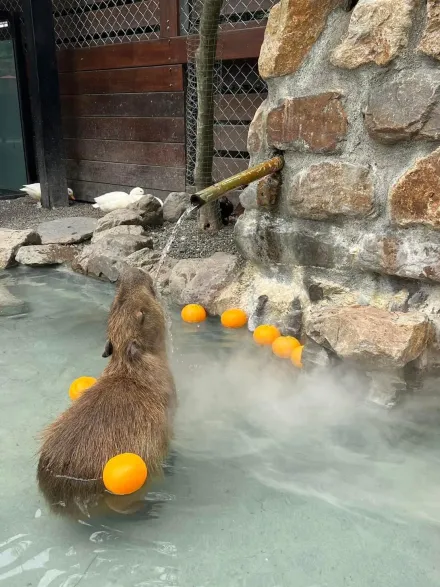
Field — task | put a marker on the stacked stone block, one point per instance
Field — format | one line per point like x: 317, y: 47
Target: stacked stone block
x: 354, y: 106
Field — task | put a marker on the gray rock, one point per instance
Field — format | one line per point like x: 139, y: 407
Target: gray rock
x: 106, y: 257
x: 148, y: 260
x: 365, y: 335
x: 150, y: 209
x: 293, y: 322
x: 330, y: 189
x: 386, y: 387
x: 248, y: 197
x: 122, y: 229
x: 11, y: 241
x: 118, y: 218
x: 403, y: 256
x: 36, y: 255
x: 314, y: 356
x: 268, y: 240
x: 430, y: 43
x: 378, y: 32
x: 175, y: 205
x: 67, y: 231
x: 9, y: 304
x: 199, y: 281
x: 394, y: 113
x: 257, y: 316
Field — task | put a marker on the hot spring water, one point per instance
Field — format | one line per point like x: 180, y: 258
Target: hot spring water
x: 277, y: 480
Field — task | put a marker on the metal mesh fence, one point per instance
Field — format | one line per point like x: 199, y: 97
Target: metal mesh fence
x: 9, y: 6
x: 238, y: 88
x: 89, y: 23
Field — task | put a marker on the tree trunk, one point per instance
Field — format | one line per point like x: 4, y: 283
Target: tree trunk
x: 209, y: 215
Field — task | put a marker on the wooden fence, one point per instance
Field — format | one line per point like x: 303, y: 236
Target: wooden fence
x: 123, y: 109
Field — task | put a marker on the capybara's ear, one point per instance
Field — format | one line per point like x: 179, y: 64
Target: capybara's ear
x: 133, y: 350
x: 140, y: 316
x: 108, y: 350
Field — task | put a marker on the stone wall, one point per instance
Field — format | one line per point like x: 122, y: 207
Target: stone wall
x: 354, y: 106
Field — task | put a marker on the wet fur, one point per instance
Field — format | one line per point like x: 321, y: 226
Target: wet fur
x: 129, y: 409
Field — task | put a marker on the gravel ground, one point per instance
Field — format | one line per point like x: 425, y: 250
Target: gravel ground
x: 189, y: 242
x: 23, y: 213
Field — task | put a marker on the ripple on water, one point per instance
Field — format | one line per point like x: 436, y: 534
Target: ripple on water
x: 276, y: 479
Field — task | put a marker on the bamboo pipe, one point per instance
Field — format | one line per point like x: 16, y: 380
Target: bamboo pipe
x: 243, y: 178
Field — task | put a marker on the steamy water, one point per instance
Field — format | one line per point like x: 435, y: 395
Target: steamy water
x: 277, y: 479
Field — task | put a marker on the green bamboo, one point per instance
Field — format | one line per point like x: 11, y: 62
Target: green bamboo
x: 213, y: 192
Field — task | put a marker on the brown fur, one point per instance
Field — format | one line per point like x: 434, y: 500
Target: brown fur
x: 129, y: 409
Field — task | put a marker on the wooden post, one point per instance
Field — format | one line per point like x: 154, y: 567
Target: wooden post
x: 45, y: 101
x: 169, y: 19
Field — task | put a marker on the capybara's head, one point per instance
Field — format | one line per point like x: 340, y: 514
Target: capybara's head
x: 136, y: 325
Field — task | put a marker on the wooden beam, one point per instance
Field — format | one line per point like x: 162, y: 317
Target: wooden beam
x: 159, y: 178
x: 163, y: 104
x: 169, y: 18
x: 137, y: 153
x: 123, y: 81
x: 238, y: 44
x: 149, y: 130
x: 45, y: 101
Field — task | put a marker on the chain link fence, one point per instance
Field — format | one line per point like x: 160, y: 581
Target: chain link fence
x: 8, y: 6
x: 238, y: 88
x: 90, y: 23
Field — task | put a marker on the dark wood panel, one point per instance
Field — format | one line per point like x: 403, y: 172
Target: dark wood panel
x: 230, y: 137
x: 146, y: 130
x: 166, y: 154
x: 113, y: 81
x: 225, y: 167
x: 87, y: 191
x: 242, y: 44
x: 118, y: 18
x: 160, y: 178
x: 169, y: 104
x: 237, y: 106
x: 169, y: 18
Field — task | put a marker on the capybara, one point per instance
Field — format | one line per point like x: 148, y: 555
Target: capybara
x: 129, y: 409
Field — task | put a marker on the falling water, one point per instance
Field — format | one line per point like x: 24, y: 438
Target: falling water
x: 170, y: 241
x: 160, y: 263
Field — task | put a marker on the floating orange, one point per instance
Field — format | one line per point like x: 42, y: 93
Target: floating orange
x: 79, y: 386
x: 266, y: 334
x: 124, y: 473
x: 193, y: 313
x: 234, y: 318
x: 296, y: 357
x: 284, y: 345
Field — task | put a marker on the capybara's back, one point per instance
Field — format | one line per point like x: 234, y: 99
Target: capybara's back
x: 129, y: 409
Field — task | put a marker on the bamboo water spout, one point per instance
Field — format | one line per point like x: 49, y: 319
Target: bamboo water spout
x: 245, y: 177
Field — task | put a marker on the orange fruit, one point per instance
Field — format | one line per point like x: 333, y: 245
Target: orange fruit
x: 284, y: 345
x: 80, y: 385
x: 296, y: 356
x: 266, y: 334
x: 124, y: 474
x: 234, y: 318
x: 193, y: 313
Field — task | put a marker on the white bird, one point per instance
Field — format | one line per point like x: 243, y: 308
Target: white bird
x: 118, y: 200
x: 34, y: 191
